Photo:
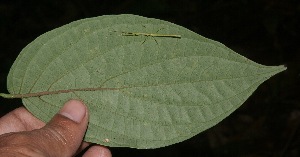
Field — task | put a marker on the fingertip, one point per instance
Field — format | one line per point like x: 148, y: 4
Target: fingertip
x: 74, y: 110
x: 97, y: 151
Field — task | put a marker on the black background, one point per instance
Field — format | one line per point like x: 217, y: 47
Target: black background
x: 265, y: 31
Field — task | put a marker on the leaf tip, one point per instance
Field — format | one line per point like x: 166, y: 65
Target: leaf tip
x: 282, y: 68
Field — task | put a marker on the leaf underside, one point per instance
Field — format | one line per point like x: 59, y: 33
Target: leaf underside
x: 141, y: 91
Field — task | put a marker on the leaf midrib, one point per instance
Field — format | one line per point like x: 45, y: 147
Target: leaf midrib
x: 43, y: 93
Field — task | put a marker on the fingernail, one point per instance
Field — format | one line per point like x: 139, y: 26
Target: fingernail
x: 74, y: 110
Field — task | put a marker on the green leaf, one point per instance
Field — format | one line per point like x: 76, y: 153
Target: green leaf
x: 147, y: 83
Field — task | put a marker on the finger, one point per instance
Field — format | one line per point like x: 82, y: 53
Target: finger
x: 63, y: 135
x: 97, y: 151
x: 19, y: 120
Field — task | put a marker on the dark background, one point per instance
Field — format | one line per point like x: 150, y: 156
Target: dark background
x: 265, y: 31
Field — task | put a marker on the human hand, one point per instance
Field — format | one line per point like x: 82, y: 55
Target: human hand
x: 21, y: 134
